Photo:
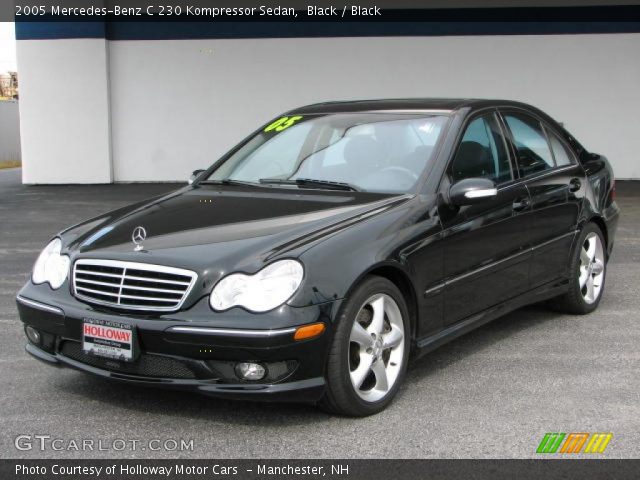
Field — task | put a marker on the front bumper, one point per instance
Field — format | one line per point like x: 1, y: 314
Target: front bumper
x: 188, y: 355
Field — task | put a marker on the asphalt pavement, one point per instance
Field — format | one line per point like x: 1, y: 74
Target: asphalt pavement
x: 493, y: 393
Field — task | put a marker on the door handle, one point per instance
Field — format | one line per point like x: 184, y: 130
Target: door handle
x: 575, y: 184
x: 521, y: 204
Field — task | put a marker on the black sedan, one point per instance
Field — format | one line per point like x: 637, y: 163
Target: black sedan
x: 312, y: 261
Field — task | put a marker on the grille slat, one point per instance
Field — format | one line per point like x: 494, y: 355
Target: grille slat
x: 99, y: 274
x: 152, y: 299
x: 132, y: 277
x: 131, y: 285
x: 95, y: 282
x: 126, y: 286
x: 115, y: 283
x: 99, y: 292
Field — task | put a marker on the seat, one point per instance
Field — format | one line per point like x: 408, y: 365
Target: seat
x: 472, y: 160
x: 362, y: 154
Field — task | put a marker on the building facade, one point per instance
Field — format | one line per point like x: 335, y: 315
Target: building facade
x: 154, y: 101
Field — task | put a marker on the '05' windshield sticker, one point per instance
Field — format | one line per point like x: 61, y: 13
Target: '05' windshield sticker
x: 282, y: 123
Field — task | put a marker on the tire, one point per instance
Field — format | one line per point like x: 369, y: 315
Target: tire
x: 577, y: 300
x: 353, y: 347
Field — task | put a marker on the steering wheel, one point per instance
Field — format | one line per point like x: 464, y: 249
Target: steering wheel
x: 402, y: 170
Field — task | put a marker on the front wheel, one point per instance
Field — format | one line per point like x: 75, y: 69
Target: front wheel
x: 368, y: 357
x: 587, y: 273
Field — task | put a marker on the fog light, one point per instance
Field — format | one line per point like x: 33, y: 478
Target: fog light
x: 250, y: 371
x: 33, y: 335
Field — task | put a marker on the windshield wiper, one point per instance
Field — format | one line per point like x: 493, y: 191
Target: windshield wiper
x: 310, y: 182
x: 226, y: 181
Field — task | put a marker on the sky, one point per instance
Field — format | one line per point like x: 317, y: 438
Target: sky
x: 7, y: 47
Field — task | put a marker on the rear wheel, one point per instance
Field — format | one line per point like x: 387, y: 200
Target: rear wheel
x: 368, y: 356
x: 588, y: 271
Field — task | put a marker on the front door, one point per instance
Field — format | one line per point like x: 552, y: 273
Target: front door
x: 486, y: 246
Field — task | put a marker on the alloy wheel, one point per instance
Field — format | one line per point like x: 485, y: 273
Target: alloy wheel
x: 592, y: 268
x: 376, y: 348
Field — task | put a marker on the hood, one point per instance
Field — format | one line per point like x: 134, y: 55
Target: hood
x: 229, y: 227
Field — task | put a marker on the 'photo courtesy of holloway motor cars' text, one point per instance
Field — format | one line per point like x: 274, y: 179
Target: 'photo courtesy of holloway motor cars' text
x: 266, y: 240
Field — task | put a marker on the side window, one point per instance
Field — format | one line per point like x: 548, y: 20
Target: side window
x: 482, y: 152
x: 561, y: 152
x: 531, y: 144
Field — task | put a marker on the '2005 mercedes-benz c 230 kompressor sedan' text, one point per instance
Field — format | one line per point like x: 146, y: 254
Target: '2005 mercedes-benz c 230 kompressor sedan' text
x: 336, y: 242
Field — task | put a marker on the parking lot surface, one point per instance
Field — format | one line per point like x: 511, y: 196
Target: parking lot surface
x: 492, y: 393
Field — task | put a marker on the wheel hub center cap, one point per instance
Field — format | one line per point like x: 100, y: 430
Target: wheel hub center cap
x: 377, y: 348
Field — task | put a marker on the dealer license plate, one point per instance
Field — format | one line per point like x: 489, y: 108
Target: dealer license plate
x: 109, y: 339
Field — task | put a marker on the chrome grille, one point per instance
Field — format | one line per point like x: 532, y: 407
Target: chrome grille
x: 130, y: 285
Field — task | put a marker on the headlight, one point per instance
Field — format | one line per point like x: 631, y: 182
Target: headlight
x: 263, y: 291
x: 51, y: 266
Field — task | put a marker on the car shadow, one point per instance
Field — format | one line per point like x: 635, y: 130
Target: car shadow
x: 193, y: 406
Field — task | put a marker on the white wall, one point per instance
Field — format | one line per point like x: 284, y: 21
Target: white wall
x: 177, y: 105
x: 64, y: 111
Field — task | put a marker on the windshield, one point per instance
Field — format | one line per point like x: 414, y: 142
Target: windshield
x: 373, y: 152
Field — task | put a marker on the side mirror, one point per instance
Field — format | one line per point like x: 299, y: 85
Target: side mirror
x: 471, y: 191
x: 195, y: 175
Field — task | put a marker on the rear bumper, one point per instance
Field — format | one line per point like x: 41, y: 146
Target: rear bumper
x: 611, y: 216
x: 191, y: 356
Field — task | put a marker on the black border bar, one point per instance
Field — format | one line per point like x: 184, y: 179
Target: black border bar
x: 391, y: 22
x: 342, y: 469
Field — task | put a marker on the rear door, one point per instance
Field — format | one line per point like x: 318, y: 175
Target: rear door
x: 486, y: 246
x: 555, y: 182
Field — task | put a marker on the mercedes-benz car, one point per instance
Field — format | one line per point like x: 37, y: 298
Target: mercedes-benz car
x: 338, y: 241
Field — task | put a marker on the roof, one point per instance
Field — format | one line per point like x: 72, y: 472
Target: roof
x: 403, y: 104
